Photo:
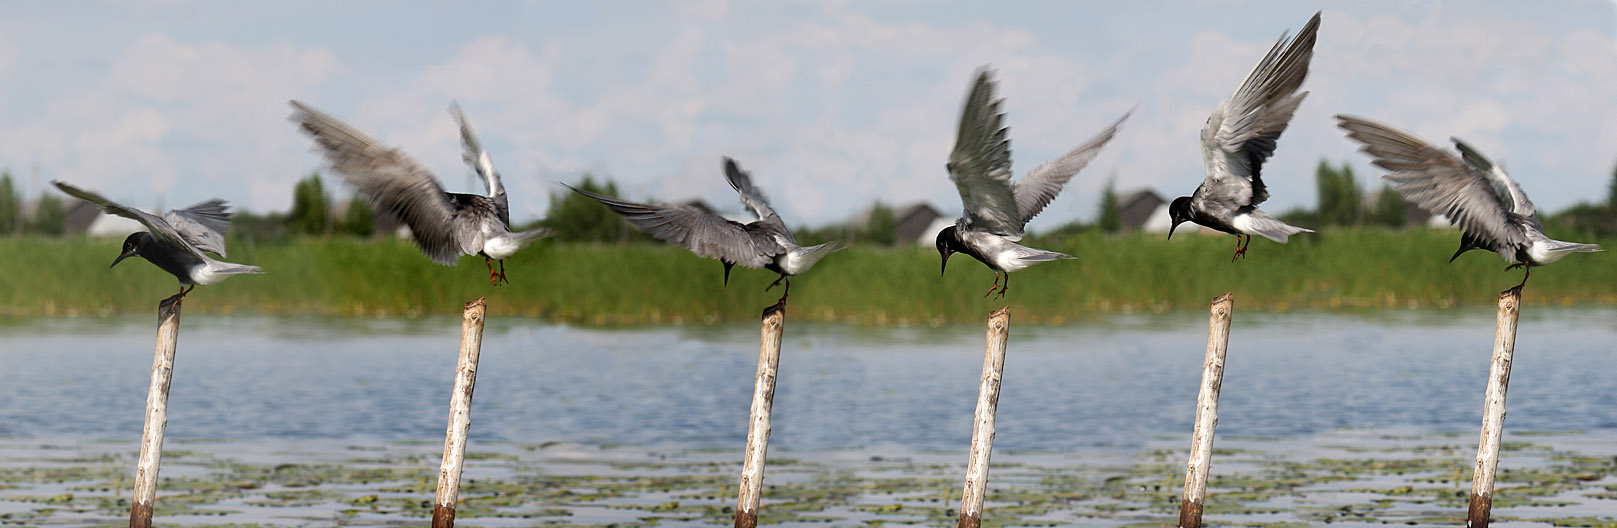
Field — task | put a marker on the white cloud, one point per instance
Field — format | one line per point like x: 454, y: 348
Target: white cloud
x: 209, y: 115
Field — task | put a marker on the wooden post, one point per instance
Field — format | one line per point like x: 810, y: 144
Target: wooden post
x: 460, y: 415
x: 763, y: 398
x: 1493, y: 410
x: 982, y: 432
x: 151, y: 438
x: 1201, y: 438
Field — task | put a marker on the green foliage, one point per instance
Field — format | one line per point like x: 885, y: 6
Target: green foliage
x: 258, y: 227
x: 48, y: 218
x: 1611, y: 193
x: 359, y: 220
x: 1389, y: 208
x: 880, y: 227
x: 658, y: 283
x: 1111, y: 213
x: 1582, y: 220
x: 10, y: 205
x: 574, y: 217
x: 311, y: 212
x: 1339, y: 198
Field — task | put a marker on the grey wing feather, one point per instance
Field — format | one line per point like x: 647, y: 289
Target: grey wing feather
x: 154, y: 224
x: 980, y: 165
x: 479, y: 160
x: 1511, y: 194
x: 1241, y: 134
x: 203, y: 225
x: 753, y: 198
x: 390, y: 179
x: 1042, y: 185
x: 702, y: 232
x: 1437, y: 181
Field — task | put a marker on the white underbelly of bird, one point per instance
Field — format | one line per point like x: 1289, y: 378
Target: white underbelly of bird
x: 204, y: 274
x: 501, y: 247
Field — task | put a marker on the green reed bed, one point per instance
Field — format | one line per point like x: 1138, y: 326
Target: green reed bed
x: 610, y: 284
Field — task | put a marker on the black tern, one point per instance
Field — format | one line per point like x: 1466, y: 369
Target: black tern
x: 765, y: 243
x: 1475, y: 194
x: 175, y: 242
x: 444, y: 225
x: 996, y: 210
x: 1239, y: 137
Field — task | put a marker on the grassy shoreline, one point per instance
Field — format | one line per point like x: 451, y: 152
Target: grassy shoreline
x: 627, y: 284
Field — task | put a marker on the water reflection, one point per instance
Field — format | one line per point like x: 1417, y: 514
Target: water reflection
x: 1116, y: 381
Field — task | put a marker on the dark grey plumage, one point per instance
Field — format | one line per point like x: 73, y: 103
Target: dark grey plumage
x: 1240, y: 136
x: 176, y: 241
x: 444, y: 225
x: 765, y: 243
x: 996, y: 210
x: 1472, y: 192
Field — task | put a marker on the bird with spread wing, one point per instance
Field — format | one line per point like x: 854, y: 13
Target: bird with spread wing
x: 996, y: 210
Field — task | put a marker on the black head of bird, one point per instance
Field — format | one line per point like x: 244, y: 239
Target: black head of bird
x: 945, y: 247
x: 1178, y: 213
x: 132, y: 246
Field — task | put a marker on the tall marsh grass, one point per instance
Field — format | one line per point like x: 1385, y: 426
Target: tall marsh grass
x: 609, y: 284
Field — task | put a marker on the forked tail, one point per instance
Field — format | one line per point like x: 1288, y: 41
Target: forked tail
x: 1268, y: 227
x: 804, y: 258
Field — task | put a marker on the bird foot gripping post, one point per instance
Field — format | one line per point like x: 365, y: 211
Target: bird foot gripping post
x: 763, y: 397
x: 460, y: 415
x: 1201, y: 442
x: 982, y: 432
x: 151, y: 439
x: 1493, y: 409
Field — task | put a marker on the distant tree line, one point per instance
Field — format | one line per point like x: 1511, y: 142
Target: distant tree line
x: 46, y: 218
x: 1341, y: 203
x: 576, y: 218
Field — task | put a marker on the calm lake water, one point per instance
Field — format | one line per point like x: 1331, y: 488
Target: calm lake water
x: 1114, y: 382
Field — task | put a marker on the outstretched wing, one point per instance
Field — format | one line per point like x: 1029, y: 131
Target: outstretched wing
x: 1438, y: 181
x: 479, y: 160
x: 203, y: 224
x: 389, y: 178
x: 1042, y: 185
x: 155, y: 225
x: 1241, y: 133
x: 704, y: 233
x: 1511, y: 194
x: 753, y: 198
x: 980, y: 165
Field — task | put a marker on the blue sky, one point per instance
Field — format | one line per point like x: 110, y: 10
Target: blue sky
x: 831, y: 105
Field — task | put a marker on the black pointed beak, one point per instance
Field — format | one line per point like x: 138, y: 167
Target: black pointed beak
x: 942, y: 270
x: 121, y: 258
x: 1170, y: 230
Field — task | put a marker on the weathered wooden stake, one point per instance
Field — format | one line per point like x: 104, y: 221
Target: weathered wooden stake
x: 460, y: 415
x: 982, y: 432
x: 763, y: 398
x: 151, y: 438
x: 1201, y: 438
x: 1493, y: 410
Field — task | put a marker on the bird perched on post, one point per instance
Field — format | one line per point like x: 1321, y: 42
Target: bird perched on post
x: 174, y: 242
x: 765, y: 243
x: 444, y: 225
x: 1472, y: 192
x: 1239, y: 137
x: 997, y: 211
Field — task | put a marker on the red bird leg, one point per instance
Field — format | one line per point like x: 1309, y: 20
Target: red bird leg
x: 995, y: 287
x: 503, y: 280
x: 1240, y: 247
x: 1006, y: 287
